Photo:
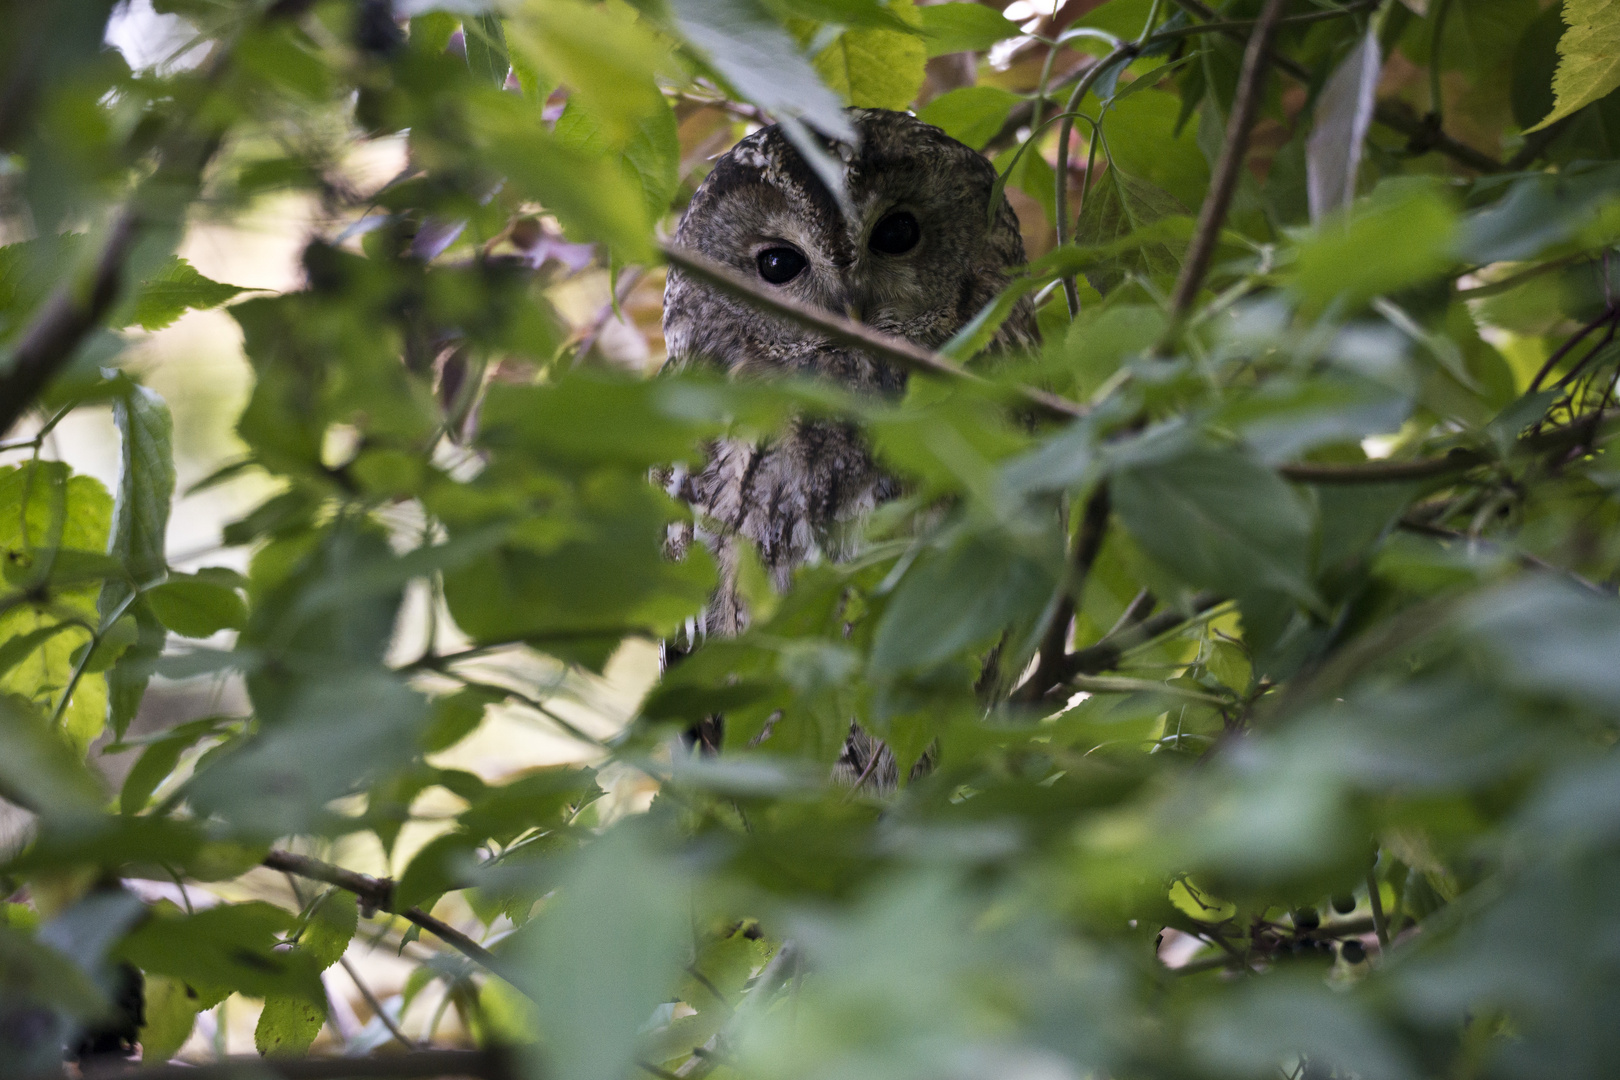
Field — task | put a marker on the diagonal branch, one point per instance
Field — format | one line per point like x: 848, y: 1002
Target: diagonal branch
x: 1050, y: 666
x: 1234, y: 151
x: 378, y: 894
x: 63, y: 321
x: 895, y: 350
x: 1107, y: 653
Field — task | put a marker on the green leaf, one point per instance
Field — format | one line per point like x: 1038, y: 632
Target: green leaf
x: 606, y: 950
x: 969, y: 114
x: 1400, y: 236
x: 444, y: 863
x: 1219, y: 520
x: 139, y: 526
x: 288, y: 1025
x: 486, y: 54
x: 195, y: 607
x: 158, y: 760
x: 1116, y: 216
x: 651, y: 158
x: 38, y: 769
x: 171, y: 1013
x: 1343, y: 114
x: 962, y: 27
x: 46, y: 516
x: 751, y: 51
x: 605, y: 54
x: 330, y: 928
x: 327, y: 738
x: 455, y: 716
x: 231, y: 946
x: 166, y: 295
x: 958, y: 598
x: 875, y: 68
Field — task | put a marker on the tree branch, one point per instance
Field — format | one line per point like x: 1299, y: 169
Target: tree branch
x: 486, y: 1064
x: 1234, y: 151
x: 1382, y: 472
x: 1049, y: 668
x: 63, y: 321
x: 1459, y: 459
x: 895, y: 350
x: 1107, y: 653
x: 377, y: 894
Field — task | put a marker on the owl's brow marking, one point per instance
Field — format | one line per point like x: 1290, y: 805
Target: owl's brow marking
x: 849, y: 332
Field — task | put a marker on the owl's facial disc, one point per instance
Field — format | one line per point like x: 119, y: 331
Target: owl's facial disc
x: 909, y: 250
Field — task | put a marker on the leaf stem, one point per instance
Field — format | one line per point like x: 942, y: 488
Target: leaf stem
x: 1122, y: 54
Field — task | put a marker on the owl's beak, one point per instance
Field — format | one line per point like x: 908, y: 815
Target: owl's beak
x: 855, y: 304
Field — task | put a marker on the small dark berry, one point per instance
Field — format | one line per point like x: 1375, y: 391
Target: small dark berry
x: 1307, y: 919
x: 1344, y: 903
x: 1354, y: 952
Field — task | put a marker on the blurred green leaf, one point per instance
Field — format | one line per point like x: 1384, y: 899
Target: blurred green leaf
x: 1219, y: 520
x: 603, y: 954
x: 960, y: 27
x: 875, y: 68
x: 232, y: 946
x: 165, y: 296
x: 195, y: 607
x: 1400, y: 236
x: 969, y: 114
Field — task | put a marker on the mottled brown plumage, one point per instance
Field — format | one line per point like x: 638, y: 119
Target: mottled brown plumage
x: 796, y: 498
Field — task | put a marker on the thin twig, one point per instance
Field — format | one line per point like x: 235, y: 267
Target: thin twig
x: 1108, y: 652
x: 1234, y: 151
x: 378, y: 894
x: 1524, y: 558
x: 376, y: 1006
x: 896, y: 350
x: 1049, y: 668
x: 1564, y: 349
x: 1121, y: 54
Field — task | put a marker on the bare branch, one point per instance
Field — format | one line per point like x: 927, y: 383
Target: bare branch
x: 1050, y: 667
x: 1107, y: 653
x: 378, y: 894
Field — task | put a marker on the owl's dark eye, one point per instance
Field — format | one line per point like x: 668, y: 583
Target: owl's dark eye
x: 895, y: 234
x: 780, y: 265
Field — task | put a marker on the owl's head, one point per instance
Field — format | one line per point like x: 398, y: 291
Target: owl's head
x: 912, y: 252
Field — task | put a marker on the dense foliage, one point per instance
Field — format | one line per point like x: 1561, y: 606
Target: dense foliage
x: 1258, y: 636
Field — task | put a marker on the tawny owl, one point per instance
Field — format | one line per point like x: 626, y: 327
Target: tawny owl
x: 912, y: 251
